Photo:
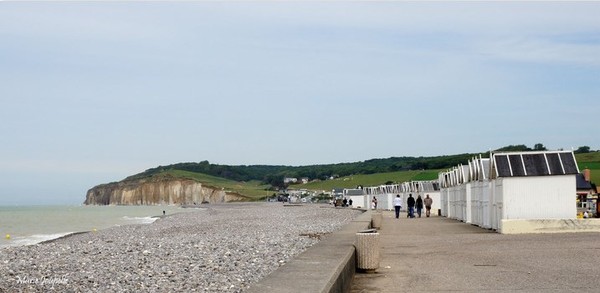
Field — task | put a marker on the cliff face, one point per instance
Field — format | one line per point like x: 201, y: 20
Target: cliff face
x: 152, y: 191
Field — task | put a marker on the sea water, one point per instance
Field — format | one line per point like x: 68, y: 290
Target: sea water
x: 26, y: 225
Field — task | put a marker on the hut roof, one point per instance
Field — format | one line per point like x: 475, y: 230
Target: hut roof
x: 546, y: 163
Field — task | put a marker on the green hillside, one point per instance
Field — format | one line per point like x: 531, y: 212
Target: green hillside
x: 274, y: 175
x: 252, y: 189
x: 590, y: 161
x: 257, y: 190
x: 368, y: 180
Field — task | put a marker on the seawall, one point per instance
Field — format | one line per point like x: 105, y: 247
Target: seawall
x: 328, y: 266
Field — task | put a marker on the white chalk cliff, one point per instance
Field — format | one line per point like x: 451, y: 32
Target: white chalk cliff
x: 158, y: 190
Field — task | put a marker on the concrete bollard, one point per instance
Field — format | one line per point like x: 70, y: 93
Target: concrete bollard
x: 376, y: 219
x: 367, y: 251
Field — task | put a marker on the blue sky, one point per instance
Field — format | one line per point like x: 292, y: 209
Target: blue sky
x: 93, y: 92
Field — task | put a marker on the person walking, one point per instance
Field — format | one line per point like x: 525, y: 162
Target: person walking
x: 419, y: 205
x: 397, y: 205
x: 428, y: 202
x: 411, y: 206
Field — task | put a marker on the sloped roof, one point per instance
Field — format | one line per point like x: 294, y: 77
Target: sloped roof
x: 582, y: 184
x: 354, y: 192
x: 535, y: 163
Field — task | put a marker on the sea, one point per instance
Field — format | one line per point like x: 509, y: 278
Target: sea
x: 27, y: 225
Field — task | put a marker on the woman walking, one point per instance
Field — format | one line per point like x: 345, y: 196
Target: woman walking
x: 419, y: 205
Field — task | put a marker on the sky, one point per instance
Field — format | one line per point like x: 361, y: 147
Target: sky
x: 92, y: 92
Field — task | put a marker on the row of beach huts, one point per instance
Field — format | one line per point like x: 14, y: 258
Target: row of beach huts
x: 510, y: 192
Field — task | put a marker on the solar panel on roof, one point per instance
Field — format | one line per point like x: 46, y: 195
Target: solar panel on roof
x: 517, y: 165
x: 535, y: 164
x: 502, y: 166
x: 569, y: 163
x: 554, y: 163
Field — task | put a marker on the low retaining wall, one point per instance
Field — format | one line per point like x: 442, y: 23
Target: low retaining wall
x: 549, y: 226
x: 328, y: 266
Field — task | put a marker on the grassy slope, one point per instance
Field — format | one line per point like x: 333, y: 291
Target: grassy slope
x: 256, y: 190
x: 590, y: 161
x: 252, y: 189
x: 368, y: 180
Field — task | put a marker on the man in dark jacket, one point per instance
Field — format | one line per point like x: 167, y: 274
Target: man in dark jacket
x: 411, y: 206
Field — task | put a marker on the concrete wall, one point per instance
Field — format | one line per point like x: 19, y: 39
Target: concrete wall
x: 550, y: 226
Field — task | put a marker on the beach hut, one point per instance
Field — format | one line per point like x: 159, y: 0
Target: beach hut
x: 479, y: 180
x: 533, y: 185
x: 356, y: 195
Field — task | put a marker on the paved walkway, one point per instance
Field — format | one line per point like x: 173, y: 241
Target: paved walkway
x: 438, y: 254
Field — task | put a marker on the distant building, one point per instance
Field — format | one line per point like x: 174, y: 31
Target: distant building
x: 288, y: 180
x: 337, y: 192
x: 586, y: 198
x: 357, y: 196
x: 351, y: 192
x: 584, y: 185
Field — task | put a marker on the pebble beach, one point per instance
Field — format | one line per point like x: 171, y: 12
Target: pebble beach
x: 218, y: 248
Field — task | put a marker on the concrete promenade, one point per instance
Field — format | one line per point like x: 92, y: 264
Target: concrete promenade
x: 442, y: 255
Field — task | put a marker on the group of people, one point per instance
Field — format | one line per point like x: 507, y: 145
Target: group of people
x: 345, y: 202
x: 412, y: 204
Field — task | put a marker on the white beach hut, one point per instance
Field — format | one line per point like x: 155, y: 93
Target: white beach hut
x: 480, y: 186
x: 356, y: 195
x: 533, y: 185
